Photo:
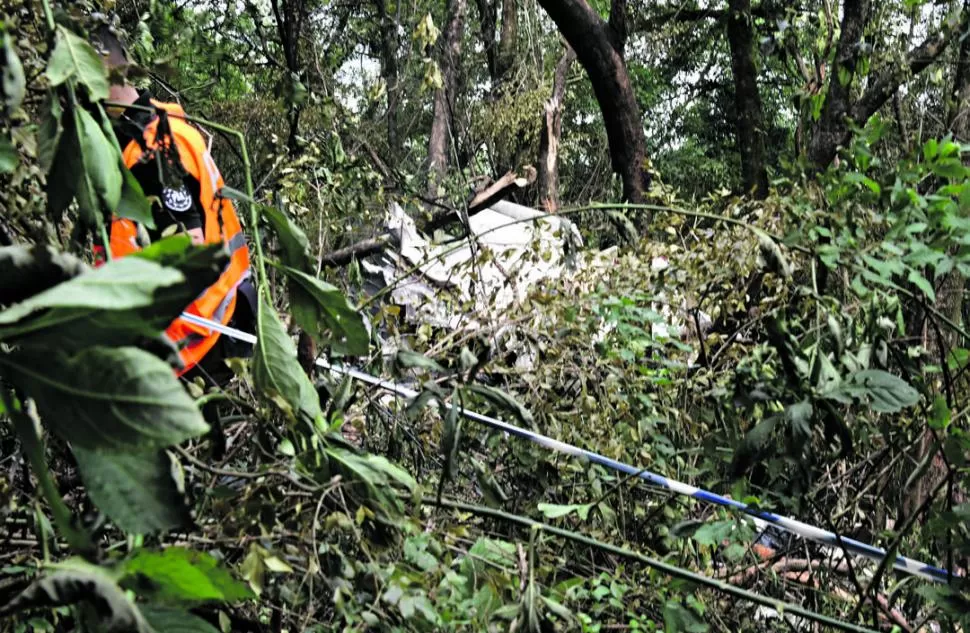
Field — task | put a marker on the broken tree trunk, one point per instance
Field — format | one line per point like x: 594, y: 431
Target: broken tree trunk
x: 485, y: 197
x: 550, y: 135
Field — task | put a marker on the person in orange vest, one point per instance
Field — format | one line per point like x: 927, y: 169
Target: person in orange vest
x: 170, y: 158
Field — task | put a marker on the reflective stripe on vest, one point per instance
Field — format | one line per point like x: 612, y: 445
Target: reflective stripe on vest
x: 221, y: 225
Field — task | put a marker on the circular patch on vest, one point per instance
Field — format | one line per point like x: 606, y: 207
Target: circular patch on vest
x: 177, y: 200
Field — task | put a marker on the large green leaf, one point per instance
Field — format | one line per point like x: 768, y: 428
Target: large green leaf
x: 715, y: 533
x: 133, y: 204
x: 950, y: 600
x: 73, y: 58
x: 323, y: 307
x: 941, y: 416
x: 799, y: 417
x: 123, y: 284
x: 487, y: 555
x: 952, y: 168
x: 136, y: 490
x: 49, y: 134
x: 108, y: 398
x: 206, y: 262
x: 771, y: 255
x: 451, y: 437
x: 26, y: 270
x: 409, y: 359
x: 178, y: 574
x: 101, y: 162
x: 164, y: 620
x: 292, y: 239
x: 503, y: 401
x: 680, y: 619
x: 556, y: 511
x: 116, y: 323
x: 316, y: 306
x: 276, y: 370
x: 753, y: 445
x: 92, y: 211
x: 79, y: 582
x: 371, y: 479
x: 886, y: 393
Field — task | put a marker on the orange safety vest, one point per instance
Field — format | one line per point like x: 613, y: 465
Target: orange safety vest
x: 218, y: 301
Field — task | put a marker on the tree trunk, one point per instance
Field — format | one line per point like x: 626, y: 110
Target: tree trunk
x: 550, y: 134
x: 389, y: 48
x: 290, y: 18
x: 598, y: 47
x: 950, y: 298
x: 499, y: 42
x: 747, y: 99
x: 292, y: 144
x: 487, y: 19
x: 958, y: 115
x: 444, y: 97
x: 505, y: 56
x: 831, y: 129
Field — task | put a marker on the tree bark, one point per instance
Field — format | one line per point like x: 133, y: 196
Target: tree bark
x: 918, y: 59
x: 500, y: 44
x: 389, y: 48
x: 958, y: 115
x: 505, y: 57
x: 958, y: 122
x: 598, y: 47
x: 550, y: 135
x: 619, y: 25
x: 487, y: 20
x: 747, y: 99
x: 290, y: 17
x: 832, y: 129
x: 444, y: 97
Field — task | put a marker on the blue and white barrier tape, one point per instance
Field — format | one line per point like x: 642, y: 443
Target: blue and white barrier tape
x: 804, y: 530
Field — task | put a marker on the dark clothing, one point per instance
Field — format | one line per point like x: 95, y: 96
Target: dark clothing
x: 212, y: 368
x: 176, y: 192
x: 177, y: 202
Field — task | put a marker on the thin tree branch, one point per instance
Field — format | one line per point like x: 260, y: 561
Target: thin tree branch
x: 665, y: 568
x: 918, y: 59
x: 343, y: 256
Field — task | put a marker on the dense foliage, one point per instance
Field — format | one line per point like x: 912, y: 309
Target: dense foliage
x: 780, y: 319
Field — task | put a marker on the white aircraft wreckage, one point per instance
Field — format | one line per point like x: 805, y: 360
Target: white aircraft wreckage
x: 465, y: 284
